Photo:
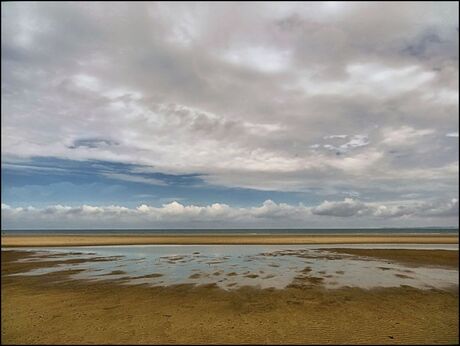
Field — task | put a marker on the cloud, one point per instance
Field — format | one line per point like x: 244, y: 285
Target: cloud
x: 346, y: 208
x: 259, y: 58
x: 218, y: 215
x: 355, y: 141
x: 422, y: 209
x: 134, y: 178
x: 352, y: 207
x: 269, y: 96
x: 444, y: 209
x: 92, y: 143
x: 335, y: 136
x: 404, y: 135
x: 372, y: 80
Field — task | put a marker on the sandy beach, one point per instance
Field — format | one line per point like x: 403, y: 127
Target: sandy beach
x: 230, y: 173
x: 50, y: 309
x: 417, y: 257
x: 87, y: 240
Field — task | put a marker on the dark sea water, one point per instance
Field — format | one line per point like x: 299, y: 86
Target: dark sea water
x: 362, y: 231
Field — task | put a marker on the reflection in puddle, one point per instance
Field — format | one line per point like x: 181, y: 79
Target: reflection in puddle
x: 231, y: 266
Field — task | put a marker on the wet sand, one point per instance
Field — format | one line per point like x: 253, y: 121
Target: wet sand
x: 443, y: 258
x: 47, y: 309
x: 88, y: 240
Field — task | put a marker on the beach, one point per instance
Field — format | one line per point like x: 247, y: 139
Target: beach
x: 82, y: 240
x: 230, y: 173
x: 51, y: 309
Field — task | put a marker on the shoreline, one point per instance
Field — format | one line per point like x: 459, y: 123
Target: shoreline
x: 125, y: 239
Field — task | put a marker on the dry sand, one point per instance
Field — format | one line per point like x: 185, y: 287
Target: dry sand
x: 41, y: 310
x: 75, y: 240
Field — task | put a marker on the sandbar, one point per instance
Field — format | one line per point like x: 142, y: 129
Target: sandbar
x: 89, y: 240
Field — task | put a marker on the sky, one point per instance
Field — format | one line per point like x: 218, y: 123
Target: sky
x: 229, y: 115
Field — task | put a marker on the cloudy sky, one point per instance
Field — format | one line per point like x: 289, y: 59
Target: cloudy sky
x: 189, y: 115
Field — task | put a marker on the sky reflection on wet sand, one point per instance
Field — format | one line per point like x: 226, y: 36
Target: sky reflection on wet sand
x: 230, y: 266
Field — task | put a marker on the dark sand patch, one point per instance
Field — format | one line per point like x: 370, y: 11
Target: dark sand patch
x: 384, y: 268
x: 444, y: 258
x: 402, y: 276
x: 15, y: 266
x: 104, y: 259
x: 303, y: 282
x: 149, y: 276
x: 212, y: 285
x: 115, y: 272
x: 408, y: 271
x: 175, y: 258
x: 306, y: 270
x: 252, y: 276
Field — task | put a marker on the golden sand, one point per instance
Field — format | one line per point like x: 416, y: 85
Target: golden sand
x: 87, y: 240
x: 46, y: 310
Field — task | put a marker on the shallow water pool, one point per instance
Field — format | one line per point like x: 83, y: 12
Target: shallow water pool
x: 233, y: 266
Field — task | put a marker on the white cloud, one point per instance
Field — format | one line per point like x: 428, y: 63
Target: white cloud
x: 222, y: 215
x: 452, y: 134
x: 335, y: 136
x: 355, y: 141
x: 87, y: 82
x: 346, y: 208
x: 263, y: 59
x: 404, y: 135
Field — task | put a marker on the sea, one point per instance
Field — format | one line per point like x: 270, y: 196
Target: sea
x: 265, y: 231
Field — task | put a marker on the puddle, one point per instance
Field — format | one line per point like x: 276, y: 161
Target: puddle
x: 232, y: 266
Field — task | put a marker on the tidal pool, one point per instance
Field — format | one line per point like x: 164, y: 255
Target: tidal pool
x: 233, y: 266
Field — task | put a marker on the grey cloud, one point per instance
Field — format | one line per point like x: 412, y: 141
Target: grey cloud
x: 352, y: 207
x: 446, y: 209
x: 92, y: 143
x: 241, y: 93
